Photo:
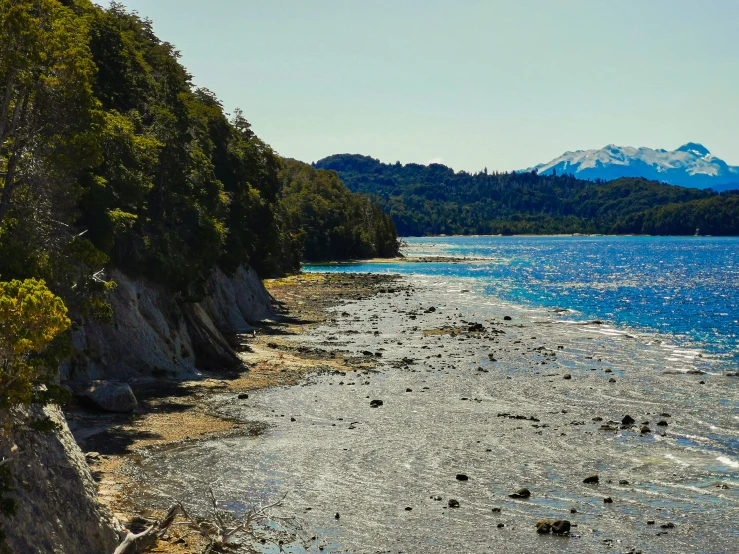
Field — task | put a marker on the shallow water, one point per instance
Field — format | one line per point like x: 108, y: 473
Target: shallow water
x: 369, y: 464
x: 686, y: 288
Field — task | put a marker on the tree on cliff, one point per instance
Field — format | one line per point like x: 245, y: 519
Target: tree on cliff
x: 31, y: 317
x: 47, y: 109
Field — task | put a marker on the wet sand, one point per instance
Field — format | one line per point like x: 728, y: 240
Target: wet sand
x: 526, y: 402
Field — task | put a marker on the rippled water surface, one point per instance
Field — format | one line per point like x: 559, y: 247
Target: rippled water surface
x: 521, y: 403
x: 685, y: 287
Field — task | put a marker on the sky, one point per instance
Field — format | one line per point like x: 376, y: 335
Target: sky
x: 471, y: 84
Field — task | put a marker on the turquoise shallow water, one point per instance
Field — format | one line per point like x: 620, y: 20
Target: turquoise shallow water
x: 684, y: 288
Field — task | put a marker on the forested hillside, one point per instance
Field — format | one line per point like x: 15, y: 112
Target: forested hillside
x: 111, y: 158
x: 430, y: 200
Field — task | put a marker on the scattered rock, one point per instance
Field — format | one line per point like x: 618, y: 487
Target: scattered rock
x: 337, y: 516
x: 567, y: 376
x: 462, y: 477
x: 376, y: 403
x: 496, y: 510
x: 453, y: 503
x: 507, y: 318
x: 501, y: 525
x: 544, y: 526
x: 591, y: 479
x: 556, y: 526
x: 662, y: 423
x: 243, y: 396
x: 110, y: 396
x: 645, y: 429
x: 608, y: 500
x: 628, y: 420
x: 436, y: 497
x: 408, y: 390
x: 408, y: 508
x: 623, y: 482
x: 668, y: 525
x: 521, y: 493
x: 561, y: 527
x: 92, y: 457
x: 612, y: 380
x: 573, y: 510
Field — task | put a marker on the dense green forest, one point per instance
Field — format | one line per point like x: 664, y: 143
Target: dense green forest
x: 109, y: 154
x: 433, y: 199
x: 330, y: 221
x: 110, y: 157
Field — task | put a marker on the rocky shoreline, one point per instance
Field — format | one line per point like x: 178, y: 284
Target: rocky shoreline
x: 432, y: 419
x: 528, y: 409
x: 177, y: 412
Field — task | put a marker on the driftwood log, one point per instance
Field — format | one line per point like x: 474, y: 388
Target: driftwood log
x: 144, y: 541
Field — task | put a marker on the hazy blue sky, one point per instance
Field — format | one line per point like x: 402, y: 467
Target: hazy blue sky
x: 502, y: 84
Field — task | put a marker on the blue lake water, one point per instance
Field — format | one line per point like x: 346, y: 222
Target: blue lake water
x: 684, y: 288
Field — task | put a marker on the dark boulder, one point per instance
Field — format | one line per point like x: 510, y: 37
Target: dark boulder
x: 521, y: 493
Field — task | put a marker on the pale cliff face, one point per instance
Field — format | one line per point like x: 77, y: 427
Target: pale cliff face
x: 58, y: 510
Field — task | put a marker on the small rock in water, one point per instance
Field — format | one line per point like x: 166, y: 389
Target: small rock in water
x: 591, y: 479
x: 376, y: 403
x: 521, y: 493
x: 628, y: 420
x: 611, y: 380
x: 645, y: 429
x: 501, y: 525
x: 623, y: 482
x: 668, y: 525
x: 573, y: 510
x: 608, y: 500
x: 243, y: 396
x: 662, y: 423
x: 507, y: 318
x: 544, y: 526
x: 561, y: 527
x: 453, y: 503
x: 337, y: 516
x: 496, y: 510
x: 462, y: 477
x: 408, y: 508
x: 567, y: 376
x: 408, y: 390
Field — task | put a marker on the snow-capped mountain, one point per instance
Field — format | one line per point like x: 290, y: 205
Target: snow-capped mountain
x: 691, y: 165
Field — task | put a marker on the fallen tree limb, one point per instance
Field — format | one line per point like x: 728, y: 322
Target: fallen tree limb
x: 141, y: 542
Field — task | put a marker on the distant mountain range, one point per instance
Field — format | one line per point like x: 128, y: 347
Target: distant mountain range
x: 691, y: 165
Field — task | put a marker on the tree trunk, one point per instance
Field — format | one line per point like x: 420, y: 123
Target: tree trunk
x: 9, y: 85
x: 8, y: 187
